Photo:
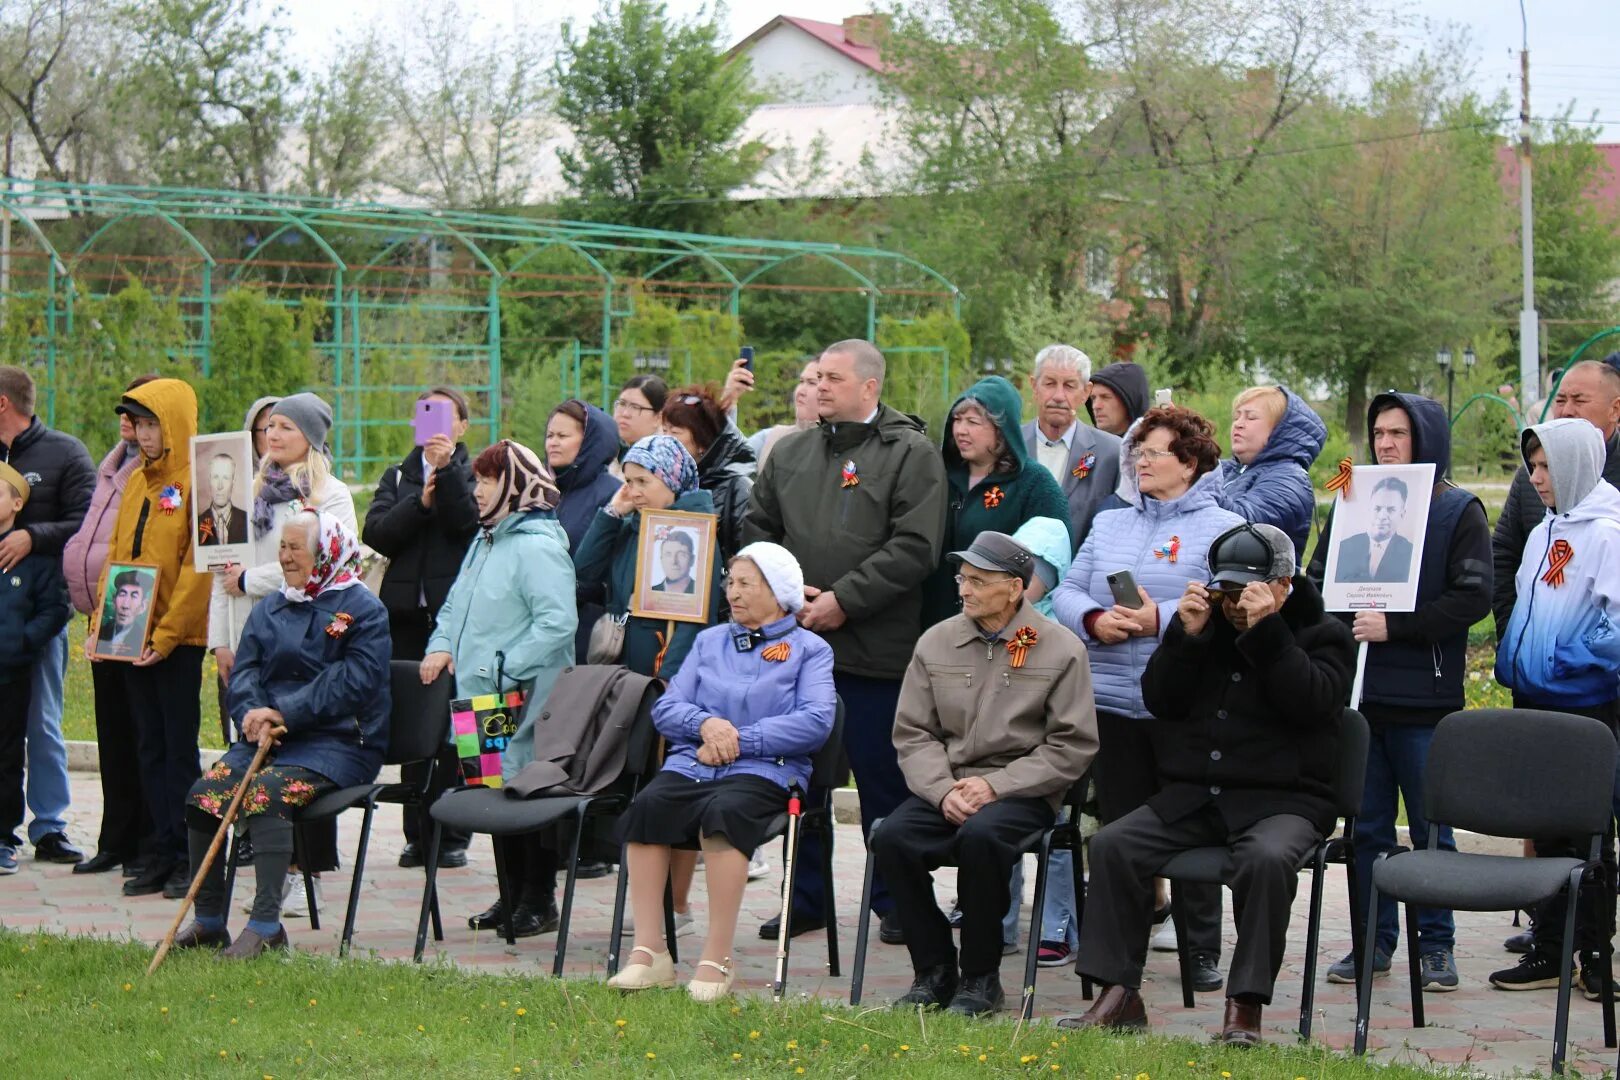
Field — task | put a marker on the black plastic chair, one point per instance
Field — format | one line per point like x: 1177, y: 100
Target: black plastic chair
x: 1060, y: 835
x: 491, y: 811
x: 418, y: 724
x: 1213, y: 866
x: 1509, y: 773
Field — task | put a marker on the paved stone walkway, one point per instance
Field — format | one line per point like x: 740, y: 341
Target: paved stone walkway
x: 1489, y: 1030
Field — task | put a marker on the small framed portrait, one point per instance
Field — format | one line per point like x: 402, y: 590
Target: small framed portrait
x: 125, y: 618
x: 674, y: 566
x: 1378, y: 532
x: 221, y: 500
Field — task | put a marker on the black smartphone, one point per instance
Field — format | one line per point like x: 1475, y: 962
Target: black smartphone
x: 1123, y: 585
x: 746, y: 353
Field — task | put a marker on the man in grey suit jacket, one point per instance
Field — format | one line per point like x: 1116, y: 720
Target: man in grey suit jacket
x: 1084, y: 460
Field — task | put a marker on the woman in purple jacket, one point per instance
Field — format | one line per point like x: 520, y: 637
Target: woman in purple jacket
x: 753, y: 701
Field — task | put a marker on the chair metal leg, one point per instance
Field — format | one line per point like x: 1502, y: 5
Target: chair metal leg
x: 234, y: 853
x: 1566, y: 966
x: 669, y: 919
x: 616, y: 942
x: 1364, y: 973
x: 1607, y: 956
x: 504, y: 886
x: 1043, y: 856
x: 863, y: 919
x: 359, y: 872
x: 829, y: 903
x: 1078, y: 851
x: 1183, y: 956
x: 301, y: 857
x: 1313, y: 942
x: 568, y: 893
x: 1414, y: 967
x: 429, y: 900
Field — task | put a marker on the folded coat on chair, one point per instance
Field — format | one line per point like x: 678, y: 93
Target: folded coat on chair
x: 581, y: 731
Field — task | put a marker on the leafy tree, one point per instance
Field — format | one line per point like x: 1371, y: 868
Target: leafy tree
x: 345, y: 119
x: 657, y: 112
x: 58, y: 67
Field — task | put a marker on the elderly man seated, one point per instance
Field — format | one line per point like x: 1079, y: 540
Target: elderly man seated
x: 1246, y: 693
x: 995, y: 723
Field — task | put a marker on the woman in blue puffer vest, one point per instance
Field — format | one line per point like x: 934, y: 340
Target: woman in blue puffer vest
x: 1169, y: 478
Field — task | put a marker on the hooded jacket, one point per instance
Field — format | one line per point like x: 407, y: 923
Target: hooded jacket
x: 62, y: 478
x: 1048, y: 540
x: 1000, y: 502
x: 227, y: 614
x: 1521, y: 513
x: 862, y: 507
x: 153, y: 535
x: 726, y: 471
x: 588, y: 484
x: 1418, y: 673
x: 607, y: 557
x: 1129, y: 383
x: 1164, y: 544
x: 425, y: 547
x: 1275, y: 488
x: 1562, y: 644
x: 86, y: 553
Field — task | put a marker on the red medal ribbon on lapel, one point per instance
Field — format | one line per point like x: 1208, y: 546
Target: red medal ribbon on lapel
x: 1021, y: 643
x: 1562, y: 553
x: 1341, y: 481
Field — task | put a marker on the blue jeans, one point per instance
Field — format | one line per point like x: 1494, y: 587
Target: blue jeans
x: 1395, y: 761
x: 48, y: 792
x: 1057, y: 913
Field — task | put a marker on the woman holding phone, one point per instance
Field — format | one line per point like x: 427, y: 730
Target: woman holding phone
x: 295, y: 474
x: 1120, y: 595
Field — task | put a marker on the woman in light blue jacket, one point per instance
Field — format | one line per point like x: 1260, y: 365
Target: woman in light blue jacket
x: 507, y: 624
x: 1169, y: 478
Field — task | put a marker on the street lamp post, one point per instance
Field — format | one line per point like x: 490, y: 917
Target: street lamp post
x: 1442, y: 356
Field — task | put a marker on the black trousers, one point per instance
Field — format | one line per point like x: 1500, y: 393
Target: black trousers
x: 14, y: 697
x: 409, y: 631
x: 164, y: 703
x: 917, y: 839
x: 126, y: 822
x: 1126, y: 854
x: 1126, y: 772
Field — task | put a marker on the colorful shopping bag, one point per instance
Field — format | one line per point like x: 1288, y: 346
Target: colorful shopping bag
x: 481, y: 727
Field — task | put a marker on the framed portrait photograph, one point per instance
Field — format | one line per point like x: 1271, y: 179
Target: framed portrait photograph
x: 221, y: 500
x: 1378, y: 531
x: 125, y: 617
x: 674, y: 566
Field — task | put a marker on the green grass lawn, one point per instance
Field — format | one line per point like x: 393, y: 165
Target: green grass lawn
x: 82, y: 1008
x: 79, y: 699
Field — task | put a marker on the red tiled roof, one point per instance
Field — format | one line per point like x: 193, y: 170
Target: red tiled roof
x: 833, y: 34
x: 1606, y: 192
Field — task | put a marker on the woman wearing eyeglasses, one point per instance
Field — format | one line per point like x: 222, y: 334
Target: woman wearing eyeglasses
x: 1172, y: 486
x: 724, y: 461
x: 637, y: 408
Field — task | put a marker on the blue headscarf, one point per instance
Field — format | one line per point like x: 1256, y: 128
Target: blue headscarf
x: 667, y: 459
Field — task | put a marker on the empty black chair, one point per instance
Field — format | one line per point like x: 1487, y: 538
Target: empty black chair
x: 1213, y: 866
x: 492, y: 811
x: 1511, y: 773
x: 1061, y: 835
x: 418, y: 724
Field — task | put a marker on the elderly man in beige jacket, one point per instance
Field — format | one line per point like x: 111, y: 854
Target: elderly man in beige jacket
x: 996, y: 721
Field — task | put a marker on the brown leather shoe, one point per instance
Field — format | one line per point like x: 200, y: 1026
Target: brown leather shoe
x: 195, y: 937
x: 1118, y: 1008
x: 1242, y: 1024
x: 250, y: 946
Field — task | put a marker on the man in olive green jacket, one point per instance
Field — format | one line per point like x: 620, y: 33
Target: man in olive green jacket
x: 996, y: 722
x: 860, y: 501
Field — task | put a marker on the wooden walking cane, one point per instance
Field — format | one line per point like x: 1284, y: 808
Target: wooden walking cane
x: 213, y: 850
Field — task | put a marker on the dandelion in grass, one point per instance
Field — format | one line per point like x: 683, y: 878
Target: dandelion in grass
x: 793, y: 1044
x: 620, y: 1022
x: 523, y: 1012
x: 651, y: 1056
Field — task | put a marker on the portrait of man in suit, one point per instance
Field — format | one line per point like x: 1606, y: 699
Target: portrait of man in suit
x: 676, y: 556
x: 222, y: 522
x: 123, y: 634
x: 1380, y: 554
x: 1084, y: 460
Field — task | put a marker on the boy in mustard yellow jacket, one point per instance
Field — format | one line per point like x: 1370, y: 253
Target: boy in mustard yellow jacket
x: 163, y: 684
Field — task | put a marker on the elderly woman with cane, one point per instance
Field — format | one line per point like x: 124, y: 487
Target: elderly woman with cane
x: 312, y: 678
x: 751, y: 704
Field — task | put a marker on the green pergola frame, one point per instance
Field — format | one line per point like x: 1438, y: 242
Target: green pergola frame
x: 618, y: 256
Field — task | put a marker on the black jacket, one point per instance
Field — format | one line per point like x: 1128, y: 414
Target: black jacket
x: 424, y: 547
x: 1417, y: 675
x: 727, y: 473
x: 1250, y: 722
x: 59, y: 469
x: 34, y: 607
x: 1522, y: 512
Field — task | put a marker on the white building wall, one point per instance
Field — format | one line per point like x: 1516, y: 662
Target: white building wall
x: 792, y: 66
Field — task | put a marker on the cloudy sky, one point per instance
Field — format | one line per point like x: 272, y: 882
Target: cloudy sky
x: 1573, y: 43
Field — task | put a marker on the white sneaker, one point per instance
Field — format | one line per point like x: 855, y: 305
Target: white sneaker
x: 294, y: 904
x: 758, y: 867
x: 1164, y: 938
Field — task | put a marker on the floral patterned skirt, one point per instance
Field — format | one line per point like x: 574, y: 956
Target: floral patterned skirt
x: 278, y: 791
